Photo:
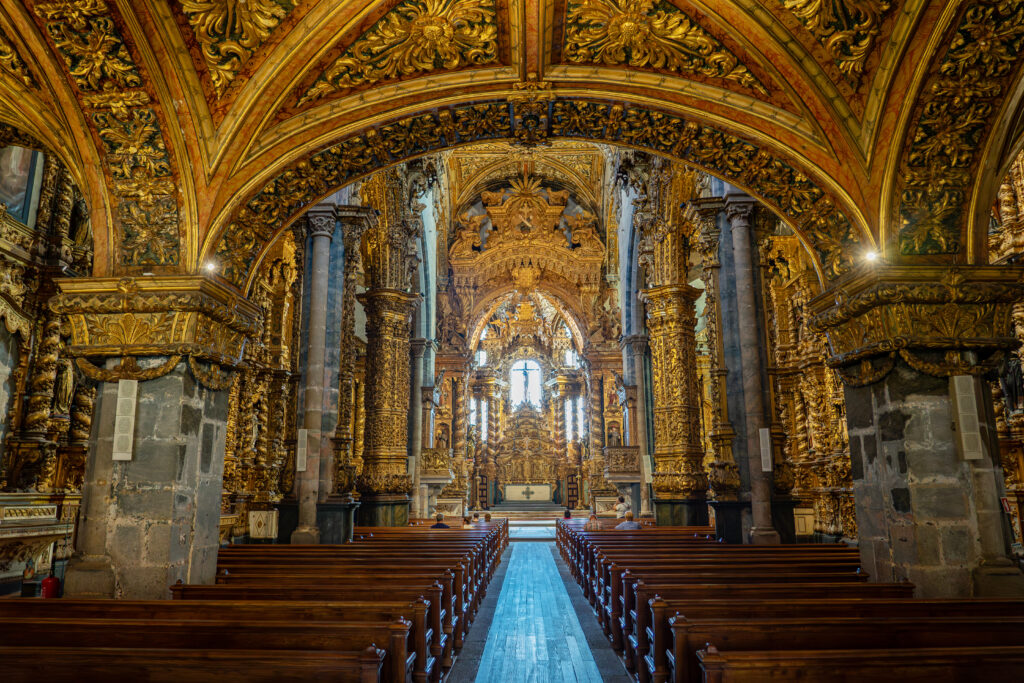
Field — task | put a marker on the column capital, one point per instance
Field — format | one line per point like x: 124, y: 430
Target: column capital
x: 637, y: 343
x: 155, y: 316
x: 740, y: 207
x: 321, y: 221
x: 355, y: 220
x: 418, y: 347
x: 941, y: 320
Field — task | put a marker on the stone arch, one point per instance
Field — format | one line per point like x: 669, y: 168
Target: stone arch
x: 824, y: 217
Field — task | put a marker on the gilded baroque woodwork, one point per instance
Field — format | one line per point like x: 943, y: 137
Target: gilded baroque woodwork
x: 415, y: 38
x: 139, y: 173
x: 962, y: 94
x: 651, y: 34
x: 230, y: 31
x: 817, y: 215
x: 525, y: 454
x: 941, y: 321
x: 847, y: 29
x: 12, y: 63
x: 171, y: 317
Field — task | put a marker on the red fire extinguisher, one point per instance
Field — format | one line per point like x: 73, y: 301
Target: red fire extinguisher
x: 50, y: 587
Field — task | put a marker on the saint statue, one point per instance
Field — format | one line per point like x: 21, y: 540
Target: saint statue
x: 63, y: 389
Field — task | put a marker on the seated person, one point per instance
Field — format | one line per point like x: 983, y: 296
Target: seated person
x: 621, y: 507
x: 592, y: 523
x: 629, y: 524
x: 476, y: 518
x: 487, y: 517
x: 567, y: 514
x: 440, y: 522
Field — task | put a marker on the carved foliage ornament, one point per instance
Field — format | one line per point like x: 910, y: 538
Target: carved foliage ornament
x: 418, y: 36
x: 649, y: 34
x: 101, y: 66
x: 230, y: 31
x: 845, y: 28
x: 828, y: 231
x: 957, y: 104
x: 12, y: 63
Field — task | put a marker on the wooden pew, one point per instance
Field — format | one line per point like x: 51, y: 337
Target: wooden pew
x: 931, y: 665
x: 33, y: 663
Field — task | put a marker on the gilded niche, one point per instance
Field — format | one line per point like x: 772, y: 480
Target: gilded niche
x: 230, y: 31
x: 649, y: 34
x: 418, y: 36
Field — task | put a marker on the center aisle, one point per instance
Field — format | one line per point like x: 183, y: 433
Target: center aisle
x: 535, y: 635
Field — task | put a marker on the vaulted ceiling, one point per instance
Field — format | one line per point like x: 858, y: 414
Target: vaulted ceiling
x: 202, y: 127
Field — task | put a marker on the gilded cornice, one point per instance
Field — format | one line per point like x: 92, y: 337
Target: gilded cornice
x: 942, y: 320
x: 170, y: 317
x: 814, y: 212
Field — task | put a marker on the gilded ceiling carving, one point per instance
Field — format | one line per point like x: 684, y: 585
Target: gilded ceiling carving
x: 107, y: 77
x: 12, y: 63
x: 847, y: 29
x: 230, y: 31
x: 651, y: 34
x: 417, y: 37
x: 827, y: 229
x: 960, y: 98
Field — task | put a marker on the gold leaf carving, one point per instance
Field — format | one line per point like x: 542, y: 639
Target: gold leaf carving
x: 416, y: 37
x: 128, y: 329
x: 96, y: 56
x: 12, y: 63
x: 230, y: 31
x: 846, y: 28
x: 648, y: 34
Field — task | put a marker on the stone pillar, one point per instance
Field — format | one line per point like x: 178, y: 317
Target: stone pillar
x: 751, y: 338
x: 321, y: 221
x: 926, y: 493
x: 680, y: 485
x: 638, y: 348
x: 724, y: 477
x: 417, y: 347
x: 385, y: 483
x: 151, y: 521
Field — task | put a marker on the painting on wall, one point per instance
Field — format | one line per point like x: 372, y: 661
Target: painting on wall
x: 17, y: 167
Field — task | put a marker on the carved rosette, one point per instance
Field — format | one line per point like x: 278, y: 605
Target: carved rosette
x: 388, y: 316
x: 939, y: 320
x: 173, y: 317
x: 678, y: 453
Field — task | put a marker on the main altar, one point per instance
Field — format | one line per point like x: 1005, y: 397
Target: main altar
x: 527, y: 461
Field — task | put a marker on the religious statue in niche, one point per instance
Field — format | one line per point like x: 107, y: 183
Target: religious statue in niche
x: 614, y: 435
x: 441, y: 438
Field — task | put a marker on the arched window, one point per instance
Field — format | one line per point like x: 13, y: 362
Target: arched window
x: 525, y: 383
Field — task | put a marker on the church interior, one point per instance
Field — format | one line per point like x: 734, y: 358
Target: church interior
x: 318, y: 314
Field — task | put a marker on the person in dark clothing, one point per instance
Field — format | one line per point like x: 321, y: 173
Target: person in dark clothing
x: 440, y: 523
x: 567, y: 514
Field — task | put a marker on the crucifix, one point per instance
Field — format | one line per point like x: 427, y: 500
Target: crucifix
x: 528, y: 492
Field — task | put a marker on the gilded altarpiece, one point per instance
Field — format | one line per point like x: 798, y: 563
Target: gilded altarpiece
x: 49, y: 403
x: 808, y: 395
x: 259, y: 460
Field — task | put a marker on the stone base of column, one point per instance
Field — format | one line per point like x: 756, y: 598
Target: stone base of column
x: 336, y: 518
x: 762, y: 536
x: 783, y: 519
x: 305, y: 535
x: 998, y: 581
x: 89, y: 577
x: 686, y: 512
x: 729, y: 519
x: 383, y: 510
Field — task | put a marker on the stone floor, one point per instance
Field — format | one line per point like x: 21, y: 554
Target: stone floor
x: 534, y: 626
x: 528, y: 533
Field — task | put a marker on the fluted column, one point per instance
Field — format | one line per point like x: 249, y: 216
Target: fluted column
x: 679, y: 481
x: 638, y: 348
x: 417, y: 347
x: 321, y: 228
x: 751, y: 340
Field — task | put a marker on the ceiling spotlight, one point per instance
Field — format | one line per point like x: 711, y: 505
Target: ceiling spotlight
x: 211, y: 267
x: 871, y: 255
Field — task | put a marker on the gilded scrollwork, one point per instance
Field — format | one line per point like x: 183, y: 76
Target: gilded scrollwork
x: 649, y: 34
x: 416, y: 37
x: 230, y: 31
x: 847, y: 29
x: 11, y: 61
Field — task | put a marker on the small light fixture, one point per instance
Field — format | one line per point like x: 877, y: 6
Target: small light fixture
x: 211, y: 267
x: 871, y: 256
